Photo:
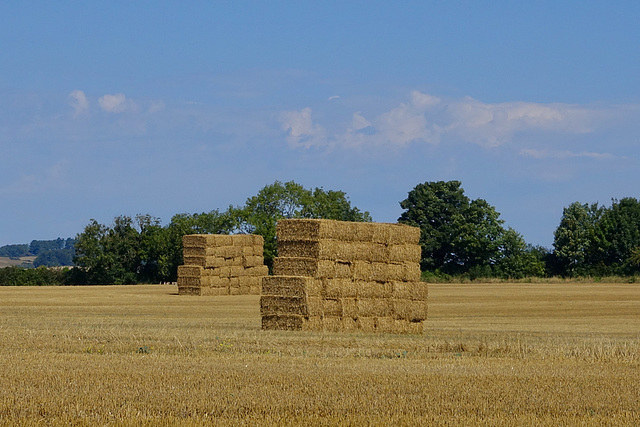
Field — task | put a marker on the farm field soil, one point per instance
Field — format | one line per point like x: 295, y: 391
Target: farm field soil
x: 491, y: 354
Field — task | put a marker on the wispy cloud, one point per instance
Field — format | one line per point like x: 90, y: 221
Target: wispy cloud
x: 300, y: 129
x: 117, y: 103
x: 563, y: 154
x: 425, y: 118
x: 79, y: 102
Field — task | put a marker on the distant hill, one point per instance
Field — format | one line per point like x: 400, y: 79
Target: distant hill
x: 49, y: 253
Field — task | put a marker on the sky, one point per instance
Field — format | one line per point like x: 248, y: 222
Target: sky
x: 124, y: 108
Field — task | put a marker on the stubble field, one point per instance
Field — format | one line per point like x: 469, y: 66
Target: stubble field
x: 492, y: 354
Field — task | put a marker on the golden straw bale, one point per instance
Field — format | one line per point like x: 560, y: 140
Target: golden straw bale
x: 290, y: 286
x: 252, y: 260
x: 255, y: 290
x: 257, y: 271
x: 194, y: 260
x: 280, y: 305
x: 337, y: 288
x: 239, y: 290
x: 416, y: 328
x: 418, y: 291
x: 242, y: 240
x: 332, y: 307
x: 332, y: 324
x: 282, y: 322
x: 193, y: 281
x: 413, y: 311
x: 312, y: 323
x: 190, y: 271
x: 315, y: 287
x: 294, y: 266
x: 377, y: 271
x: 374, y: 307
x: 372, y: 289
x: 315, y: 306
x: 366, y: 324
x: 349, y: 324
x: 404, y: 252
x: 324, y: 249
x: 406, y: 271
x: 349, y: 308
x: 234, y: 281
x: 236, y: 270
x: 401, y: 234
x: 314, y: 229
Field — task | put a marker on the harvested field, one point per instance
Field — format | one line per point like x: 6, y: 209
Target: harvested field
x: 491, y: 354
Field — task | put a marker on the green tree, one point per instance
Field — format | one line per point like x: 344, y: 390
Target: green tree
x: 463, y: 236
x: 620, y: 228
x: 578, y: 240
x: 276, y: 201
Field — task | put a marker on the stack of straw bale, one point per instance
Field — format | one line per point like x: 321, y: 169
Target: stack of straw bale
x: 221, y: 264
x: 342, y: 276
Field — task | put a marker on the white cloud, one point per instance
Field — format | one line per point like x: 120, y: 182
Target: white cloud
x: 301, y: 131
x: 115, y: 103
x: 79, y: 102
x: 429, y: 119
x: 562, y: 154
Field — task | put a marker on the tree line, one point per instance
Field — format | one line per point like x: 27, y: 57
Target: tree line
x: 48, y: 253
x: 460, y: 237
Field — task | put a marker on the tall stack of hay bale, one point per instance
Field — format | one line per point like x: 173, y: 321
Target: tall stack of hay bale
x: 222, y: 264
x: 344, y: 276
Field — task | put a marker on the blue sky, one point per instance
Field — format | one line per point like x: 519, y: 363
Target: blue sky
x: 119, y: 108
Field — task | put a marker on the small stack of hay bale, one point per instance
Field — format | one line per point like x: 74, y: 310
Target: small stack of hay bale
x: 222, y: 264
x: 345, y: 276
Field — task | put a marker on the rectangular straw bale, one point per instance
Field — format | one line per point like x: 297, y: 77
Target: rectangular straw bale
x: 194, y: 260
x: 338, y: 288
x: 348, y: 324
x: 314, y: 229
x: 253, y: 250
x: 406, y: 271
x: 315, y: 306
x: 364, y: 232
x: 257, y: 271
x: 279, y: 305
x: 193, y: 281
x: 374, y: 307
x: 239, y: 290
x: 365, y: 251
x: 412, y: 311
x: 255, y: 290
x: 376, y: 271
x: 372, y: 289
x: 324, y: 249
x: 236, y: 270
x: 332, y: 307
x: 418, y: 291
x: 234, y: 281
x: 349, y: 308
x: 206, y: 240
x: 403, y: 234
x: 294, y: 266
x: 366, y: 324
x: 332, y: 324
x: 311, y: 267
x: 312, y: 323
x: 315, y: 287
x: 386, y: 324
x: 404, y: 253
x: 242, y: 240
x: 189, y: 290
x: 290, y: 286
x: 252, y: 260
x: 189, y: 271
x: 285, y: 322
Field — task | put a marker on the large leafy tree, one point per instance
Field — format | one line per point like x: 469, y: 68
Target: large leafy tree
x: 463, y: 236
x: 280, y: 200
x: 575, y: 239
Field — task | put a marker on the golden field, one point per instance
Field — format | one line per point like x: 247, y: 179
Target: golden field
x: 492, y: 354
